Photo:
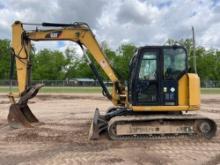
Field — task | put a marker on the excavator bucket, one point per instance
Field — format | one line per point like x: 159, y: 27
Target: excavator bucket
x: 98, y: 125
x: 20, y: 114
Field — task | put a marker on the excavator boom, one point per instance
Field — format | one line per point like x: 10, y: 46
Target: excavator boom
x: 20, y: 114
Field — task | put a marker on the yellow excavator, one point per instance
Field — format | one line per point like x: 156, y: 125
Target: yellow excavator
x: 153, y: 104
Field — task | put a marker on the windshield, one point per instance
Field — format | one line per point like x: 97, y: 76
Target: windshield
x: 174, y: 62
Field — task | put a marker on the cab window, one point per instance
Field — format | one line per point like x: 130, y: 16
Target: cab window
x: 174, y: 62
x: 148, y: 66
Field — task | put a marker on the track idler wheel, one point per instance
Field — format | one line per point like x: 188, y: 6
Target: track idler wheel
x: 207, y: 128
x: 98, y: 125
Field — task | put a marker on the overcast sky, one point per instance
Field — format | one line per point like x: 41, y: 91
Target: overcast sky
x: 142, y: 22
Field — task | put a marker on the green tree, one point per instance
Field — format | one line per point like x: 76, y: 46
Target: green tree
x: 77, y: 67
x: 122, y: 60
x: 208, y: 60
x: 4, y: 59
x: 56, y: 65
x: 80, y: 69
x: 50, y: 65
x: 119, y: 60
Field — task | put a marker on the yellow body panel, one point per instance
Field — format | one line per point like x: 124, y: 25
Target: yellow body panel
x: 183, y: 91
x: 194, y: 90
x: 160, y: 108
x: 188, y: 96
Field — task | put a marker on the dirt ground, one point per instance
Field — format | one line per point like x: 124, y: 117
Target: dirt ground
x: 63, y: 138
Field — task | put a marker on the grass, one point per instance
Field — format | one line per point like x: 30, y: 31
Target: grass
x: 5, y: 89
x: 71, y: 90
x: 60, y: 90
x: 210, y: 90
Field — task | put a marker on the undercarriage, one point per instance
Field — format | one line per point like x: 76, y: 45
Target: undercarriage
x: 123, y: 124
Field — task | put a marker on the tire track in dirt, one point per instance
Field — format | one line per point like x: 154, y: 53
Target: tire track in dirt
x: 213, y: 161
x: 45, y: 97
x: 73, y: 149
x: 66, y: 142
x: 83, y: 158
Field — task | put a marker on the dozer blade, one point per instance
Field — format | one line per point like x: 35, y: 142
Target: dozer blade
x: 98, y: 125
x: 20, y: 114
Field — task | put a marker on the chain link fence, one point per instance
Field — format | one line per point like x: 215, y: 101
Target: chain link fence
x: 88, y: 82
x: 210, y: 84
x: 59, y: 83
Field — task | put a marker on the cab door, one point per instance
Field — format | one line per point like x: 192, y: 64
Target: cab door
x: 146, y: 84
x: 174, y: 67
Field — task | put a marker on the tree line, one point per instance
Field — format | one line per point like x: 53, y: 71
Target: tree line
x: 55, y: 65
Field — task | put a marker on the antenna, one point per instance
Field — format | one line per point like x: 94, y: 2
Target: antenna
x: 194, y: 50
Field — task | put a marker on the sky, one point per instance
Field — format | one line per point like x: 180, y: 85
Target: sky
x: 141, y: 22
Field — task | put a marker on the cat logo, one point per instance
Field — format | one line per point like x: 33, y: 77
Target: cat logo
x: 55, y: 34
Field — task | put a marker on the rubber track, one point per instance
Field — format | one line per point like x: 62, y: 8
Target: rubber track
x: 114, y: 120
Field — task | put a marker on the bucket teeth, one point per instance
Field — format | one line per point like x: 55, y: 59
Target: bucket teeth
x: 98, y: 125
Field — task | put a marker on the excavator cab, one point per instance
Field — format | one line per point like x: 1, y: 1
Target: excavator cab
x: 154, y: 75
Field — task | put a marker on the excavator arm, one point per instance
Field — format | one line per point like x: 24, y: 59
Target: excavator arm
x: 77, y: 32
